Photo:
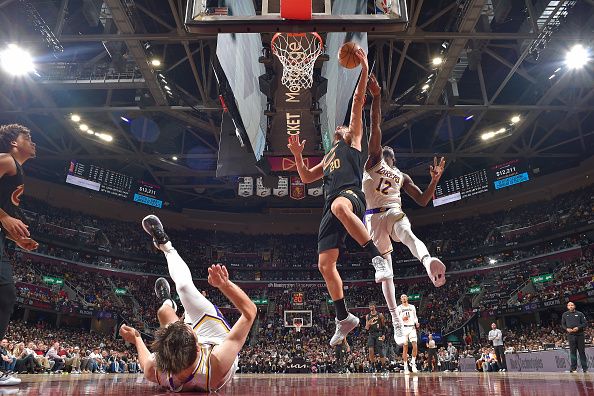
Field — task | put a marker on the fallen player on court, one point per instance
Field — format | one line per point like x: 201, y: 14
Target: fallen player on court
x: 200, y: 352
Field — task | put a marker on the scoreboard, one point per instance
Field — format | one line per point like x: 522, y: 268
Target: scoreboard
x: 509, y: 173
x: 461, y: 187
x: 499, y: 176
x: 298, y: 299
x: 114, y: 184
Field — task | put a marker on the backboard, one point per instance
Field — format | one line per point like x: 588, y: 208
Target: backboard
x: 263, y: 16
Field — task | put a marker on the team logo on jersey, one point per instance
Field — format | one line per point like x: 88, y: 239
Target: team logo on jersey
x: 15, y: 197
x: 387, y: 172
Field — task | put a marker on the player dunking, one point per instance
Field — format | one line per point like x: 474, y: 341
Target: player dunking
x: 16, y: 147
x: 201, y: 356
x: 407, y: 314
x: 384, y: 218
x: 342, y: 171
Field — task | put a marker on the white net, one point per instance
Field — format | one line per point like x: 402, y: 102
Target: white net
x: 298, y: 53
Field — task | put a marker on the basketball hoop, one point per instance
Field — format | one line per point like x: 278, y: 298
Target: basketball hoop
x: 298, y: 327
x: 298, y: 53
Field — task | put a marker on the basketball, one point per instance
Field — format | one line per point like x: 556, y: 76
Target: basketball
x: 347, y: 57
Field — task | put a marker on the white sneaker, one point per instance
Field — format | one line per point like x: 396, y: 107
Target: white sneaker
x: 413, y: 366
x: 398, y: 332
x: 344, y: 327
x: 436, y: 271
x: 9, y: 380
x: 382, y: 270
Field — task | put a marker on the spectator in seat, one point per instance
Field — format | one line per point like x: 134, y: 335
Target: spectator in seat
x: 52, y: 355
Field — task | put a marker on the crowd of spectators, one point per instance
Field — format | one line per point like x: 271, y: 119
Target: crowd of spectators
x: 38, y: 348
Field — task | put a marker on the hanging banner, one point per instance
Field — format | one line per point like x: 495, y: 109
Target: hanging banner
x: 246, y: 186
x: 283, y: 187
x: 297, y: 188
x: 287, y: 164
x: 262, y: 191
x: 316, y: 189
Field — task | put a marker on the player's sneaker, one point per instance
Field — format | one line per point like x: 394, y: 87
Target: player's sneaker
x: 436, y: 271
x: 382, y: 270
x: 344, y: 327
x: 413, y: 366
x: 163, y: 291
x: 9, y: 380
x: 153, y: 226
x: 398, y: 332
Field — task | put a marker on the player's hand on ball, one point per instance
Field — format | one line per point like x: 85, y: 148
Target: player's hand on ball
x: 360, y: 53
x: 129, y: 334
x: 295, y: 145
x: 436, y: 169
x: 373, y: 86
x: 218, y: 276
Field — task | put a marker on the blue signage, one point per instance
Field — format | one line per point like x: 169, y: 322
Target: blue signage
x: 510, y: 181
x: 143, y: 199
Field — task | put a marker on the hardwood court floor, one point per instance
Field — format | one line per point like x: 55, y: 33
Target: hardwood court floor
x: 471, y: 384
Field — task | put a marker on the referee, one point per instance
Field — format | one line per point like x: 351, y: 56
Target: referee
x: 575, y: 323
x: 497, y: 338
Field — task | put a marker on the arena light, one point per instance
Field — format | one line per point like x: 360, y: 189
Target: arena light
x: 105, y: 137
x: 470, y: 117
x: 425, y: 87
x: 577, y: 57
x: 125, y: 119
x: 155, y: 62
x: 515, y: 119
x: 75, y: 118
x: 16, y: 61
x: 83, y: 127
x: 167, y: 87
x: 174, y: 158
x: 492, y: 261
x: 488, y: 135
x: 436, y: 61
x: 90, y: 132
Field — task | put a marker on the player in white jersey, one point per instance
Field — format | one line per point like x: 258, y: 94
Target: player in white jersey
x: 410, y: 323
x: 384, y: 218
x: 200, y: 352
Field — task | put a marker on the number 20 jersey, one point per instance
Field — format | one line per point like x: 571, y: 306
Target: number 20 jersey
x: 381, y: 185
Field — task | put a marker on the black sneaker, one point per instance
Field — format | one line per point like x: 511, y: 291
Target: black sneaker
x: 152, y: 225
x: 162, y: 289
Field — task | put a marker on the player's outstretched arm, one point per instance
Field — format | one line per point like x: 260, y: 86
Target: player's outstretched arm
x: 375, y: 139
x: 131, y: 335
x: 356, y: 124
x: 224, y: 355
x: 307, y: 175
x: 420, y: 197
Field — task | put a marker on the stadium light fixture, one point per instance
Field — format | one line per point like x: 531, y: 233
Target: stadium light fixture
x: 167, y: 87
x: 90, y: 132
x: 577, y: 57
x: 436, y: 61
x: 468, y: 118
x: 16, y: 61
x: 174, y: 158
x: 488, y: 135
x: 425, y: 87
x: 155, y: 62
x: 125, y: 119
x: 515, y: 119
x: 492, y: 261
x: 83, y: 127
x: 105, y: 136
x: 75, y: 118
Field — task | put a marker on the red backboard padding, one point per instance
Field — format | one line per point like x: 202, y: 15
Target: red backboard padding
x: 296, y: 9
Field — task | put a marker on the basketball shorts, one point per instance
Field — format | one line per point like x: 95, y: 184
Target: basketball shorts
x: 374, y: 342
x: 385, y: 225
x: 332, y: 233
x: 409, y: 333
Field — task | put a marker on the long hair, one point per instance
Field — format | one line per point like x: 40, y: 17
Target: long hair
x: 175, y: 347
x: 9, y: 133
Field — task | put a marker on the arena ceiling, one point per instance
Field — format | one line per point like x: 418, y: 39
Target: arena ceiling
x: 499, y: 59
